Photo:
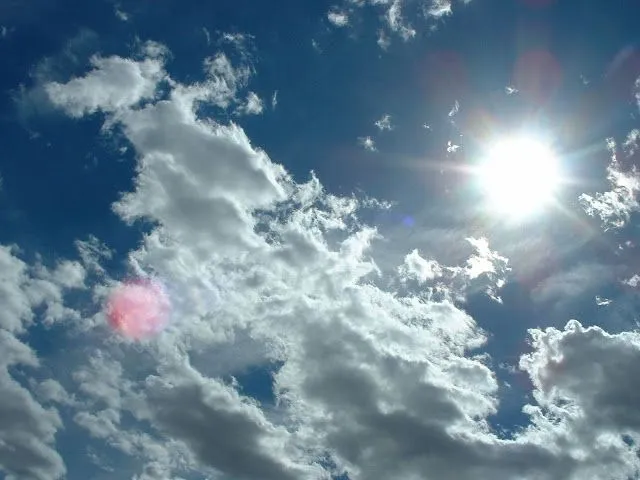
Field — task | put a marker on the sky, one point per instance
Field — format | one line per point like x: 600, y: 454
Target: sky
x: 339, y: 240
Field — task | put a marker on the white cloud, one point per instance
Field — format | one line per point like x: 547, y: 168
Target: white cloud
x: 113, y: 84
x: 438, y: 8
x: 27, y: 432
x: 338, y: 18
x: 224, y: 81
x: 419, y: 268
x: 634, y: 281
x: 397, y: 23
x: 367, y: 143
x: 92, y: 252
x: 402, y: 18
x: 484, y: 260
x: 384, y: 123
x: 241, y: 41
x: 615, y: 206
x: 631, y: 143
x: 274, y: 100
x: 27, y: 429
x: 379, y: 383
x: 582, y: 384
x: 253, y: 105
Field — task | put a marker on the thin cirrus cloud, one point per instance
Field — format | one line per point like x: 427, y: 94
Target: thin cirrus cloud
x: 365, y: 374
x: 397, y: 18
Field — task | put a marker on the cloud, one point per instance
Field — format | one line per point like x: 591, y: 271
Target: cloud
x: 384, y: 123
x: 224, y: 81
x: 367, y: 143
x: 113, y: 84
x: 338, y: 18
x: 454, y: 109
x: 121, y: 14
x: 438, y: 8
x: 372, y: 381
x: 251, y: 447
x: 401, y: 18
x: 207, y: 35
x: 631, y: 143
x: 615, y: 206
x: 419, y: 268
x: 92, y: 252
x: 252, y: 106
x: 383, y: 40
x: 27, y: 429
x: 581, y: 378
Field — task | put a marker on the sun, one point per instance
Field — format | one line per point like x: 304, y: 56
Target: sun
x: 519, y: 176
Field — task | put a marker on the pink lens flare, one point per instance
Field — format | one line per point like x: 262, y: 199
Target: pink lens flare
x: 138, y: 308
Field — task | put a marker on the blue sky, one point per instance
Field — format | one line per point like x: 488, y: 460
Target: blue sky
x: 399, y: 238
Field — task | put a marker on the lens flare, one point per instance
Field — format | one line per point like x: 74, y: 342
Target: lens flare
x: 138, y: 308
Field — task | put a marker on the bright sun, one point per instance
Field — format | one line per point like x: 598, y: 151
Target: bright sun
x: 519, y: 176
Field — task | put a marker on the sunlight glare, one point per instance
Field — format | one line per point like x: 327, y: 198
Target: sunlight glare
x: 519, y: 176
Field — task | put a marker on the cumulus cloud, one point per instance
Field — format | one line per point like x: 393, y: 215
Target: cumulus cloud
x: 370, y: 381
x: 251, y: 446
x: 581, y: 378
x: 419, y: 268
x: 397, y: 22
x: 27, y: 429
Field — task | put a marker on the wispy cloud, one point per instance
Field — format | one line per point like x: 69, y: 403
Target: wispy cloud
x: 399, y: 18
x: 615, y: 206
x: 121, y: 14
x: 367, y: 143
x: 338, y: 18
x: 384, y: 123
x: 253, y: 105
